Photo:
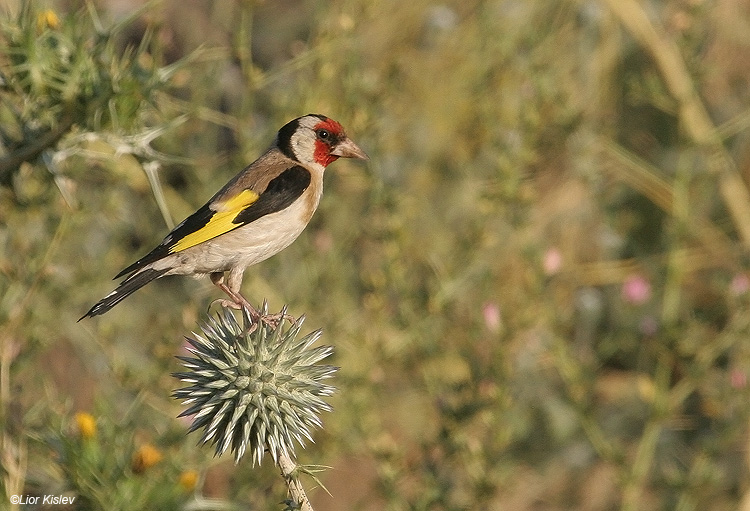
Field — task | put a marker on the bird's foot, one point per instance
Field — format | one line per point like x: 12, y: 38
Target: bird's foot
x: 239, y: 302
x: 261, y: 315
x: 275, y: 320
x: 237, y: 305
x: 227, y: 304
x: 256, y: 316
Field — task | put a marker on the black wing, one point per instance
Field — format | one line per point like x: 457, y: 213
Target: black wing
x: 280, y: 193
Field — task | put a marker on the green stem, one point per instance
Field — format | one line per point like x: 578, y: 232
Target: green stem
x: 644, y: 457
x: 297, y: 492
x: 569, y: 370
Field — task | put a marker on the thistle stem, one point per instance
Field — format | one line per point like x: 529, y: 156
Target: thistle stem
x: 289, y: 471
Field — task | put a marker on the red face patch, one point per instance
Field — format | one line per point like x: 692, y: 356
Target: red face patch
x: 323, y: 145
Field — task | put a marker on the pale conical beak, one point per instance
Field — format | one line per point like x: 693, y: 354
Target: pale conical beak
x: 348, y: 149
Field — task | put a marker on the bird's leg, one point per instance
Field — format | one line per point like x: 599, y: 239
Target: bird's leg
x: 237, y: 300
x: 234, y: 282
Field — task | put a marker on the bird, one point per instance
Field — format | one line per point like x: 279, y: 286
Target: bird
x: 258, y: 213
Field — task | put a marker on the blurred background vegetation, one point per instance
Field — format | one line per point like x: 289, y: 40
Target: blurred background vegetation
x: 537, y: 289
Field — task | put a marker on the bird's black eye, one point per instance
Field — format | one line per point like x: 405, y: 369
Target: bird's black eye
x: 323, y: 134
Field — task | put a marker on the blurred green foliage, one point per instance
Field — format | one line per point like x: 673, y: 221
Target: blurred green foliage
x: 538, y: 290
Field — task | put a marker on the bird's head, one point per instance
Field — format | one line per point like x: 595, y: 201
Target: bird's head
x: 316, y: 139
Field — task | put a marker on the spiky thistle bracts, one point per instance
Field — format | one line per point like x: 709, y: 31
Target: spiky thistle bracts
x: 251, y: 386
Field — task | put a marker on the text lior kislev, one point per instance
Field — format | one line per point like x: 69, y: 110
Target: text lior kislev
x: 40, y: 500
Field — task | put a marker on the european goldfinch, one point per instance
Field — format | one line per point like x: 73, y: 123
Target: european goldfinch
x: 260, y: 212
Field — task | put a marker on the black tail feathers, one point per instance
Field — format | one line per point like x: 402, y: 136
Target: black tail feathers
x: 125, y: 289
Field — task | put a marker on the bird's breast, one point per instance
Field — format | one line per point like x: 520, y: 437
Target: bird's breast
x: 258, y: 240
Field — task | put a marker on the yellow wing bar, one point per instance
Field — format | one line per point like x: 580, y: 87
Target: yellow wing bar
x: 220, y: 222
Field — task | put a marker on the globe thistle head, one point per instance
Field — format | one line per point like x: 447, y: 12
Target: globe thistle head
x: 252, y: 386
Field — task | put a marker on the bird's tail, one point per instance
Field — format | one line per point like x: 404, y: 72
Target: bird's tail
x: 126, y: 287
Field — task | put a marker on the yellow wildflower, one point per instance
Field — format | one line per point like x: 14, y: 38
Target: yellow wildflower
x: 188, y: 480
x: 47, y: 19
x: 145, y: 457
x: 86, y: 424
